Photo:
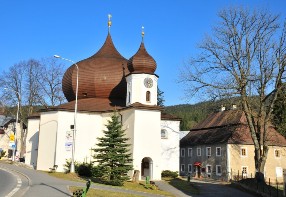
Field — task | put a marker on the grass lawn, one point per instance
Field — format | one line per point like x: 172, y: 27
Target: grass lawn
x: 101, y: 193
x: 127, y: 185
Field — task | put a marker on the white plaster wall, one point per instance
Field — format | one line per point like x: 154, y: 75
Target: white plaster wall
x: 135, y: 85
x: 32, y: 141
x: 47, y: 140
x: 89, y: 127
x: 147, y: 140
x: 171, y: 145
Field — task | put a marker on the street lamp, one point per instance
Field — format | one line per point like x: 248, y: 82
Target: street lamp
x: 17, y: 118
x: 72, y: 169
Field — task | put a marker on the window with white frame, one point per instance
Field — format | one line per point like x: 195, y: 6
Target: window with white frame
x: 218, y: 170
x: 164, y: 134
x: 189, y: 167
x: 279, y: 172
x: 182, y: 152
x: 208, y: 151
x: 190, y: 152
x: 218, y: 151
x: 244, y: 171
x: 208, y: 169
x: 199, y: 151
x: 182, y: 167
x: 277, y: 153
x: 243, y: 152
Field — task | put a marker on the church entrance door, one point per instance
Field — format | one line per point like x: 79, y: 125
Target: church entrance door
x: 147, y: 168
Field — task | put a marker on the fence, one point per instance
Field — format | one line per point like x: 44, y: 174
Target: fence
x: 268, y: 187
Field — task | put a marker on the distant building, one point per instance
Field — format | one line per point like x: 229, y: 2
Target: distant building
x: 8, y: 131
x: 107, y: 81
x: 220, y: 147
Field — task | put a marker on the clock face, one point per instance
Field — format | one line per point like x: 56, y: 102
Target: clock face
x: 148, y: 82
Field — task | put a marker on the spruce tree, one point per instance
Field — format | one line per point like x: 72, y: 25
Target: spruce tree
x: 112, y: 154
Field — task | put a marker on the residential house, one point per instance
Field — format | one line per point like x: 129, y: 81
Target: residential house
x: 220, y: 147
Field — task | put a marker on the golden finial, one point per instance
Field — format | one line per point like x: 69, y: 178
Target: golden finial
x: 109, y: 20
x: 142, y: 33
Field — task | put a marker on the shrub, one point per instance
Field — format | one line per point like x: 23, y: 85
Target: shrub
x: 2, y: 153
x: 169, y: 173
x: 67, y: 166
x: 97, y: 172
x: 85, y: 169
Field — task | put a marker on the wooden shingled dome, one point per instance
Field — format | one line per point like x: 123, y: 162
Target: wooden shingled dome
x: 142, y: 62
x: 100, y: 76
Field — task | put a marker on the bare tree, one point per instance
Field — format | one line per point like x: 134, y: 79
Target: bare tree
x: 244, y: 57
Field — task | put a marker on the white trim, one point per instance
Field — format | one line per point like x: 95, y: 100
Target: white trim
x: 244, y: 175
x: 208, y: 151
x: 210, y: 169
x: 216, y: 170
x: 279, y: 172
x: 190, y: 150
x: 183, y: 153
x: 189, y: 167
x: 182, y: 166
x: 228, y: 162
x: 245, y: 151
x: 198, y: 152
x: 216, y: 151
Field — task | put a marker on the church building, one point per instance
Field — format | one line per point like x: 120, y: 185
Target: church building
x: 107, y: 81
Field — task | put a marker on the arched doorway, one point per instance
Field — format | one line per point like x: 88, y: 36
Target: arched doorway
x: 147, y: 167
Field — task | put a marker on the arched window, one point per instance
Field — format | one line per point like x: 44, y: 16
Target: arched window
x: 164, y: 134
x: 148, y: 96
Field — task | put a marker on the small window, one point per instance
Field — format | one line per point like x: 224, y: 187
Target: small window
x: 182, y: 167
x: 244, y: 171
x: 243, y: 152
x: 148, y: 96
x: 199, y: 152
x: 164, y: 134
x: 190, y: 168
x: 190, y: 152
x: 208, y: 169
x: 218, y: 151
x: 218, y: 170
x: 182, y: 152
x: 277, y: 153
x: 208, y: 150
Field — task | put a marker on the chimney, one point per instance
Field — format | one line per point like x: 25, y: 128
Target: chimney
x: 233, y: 107
x: 222, y: 108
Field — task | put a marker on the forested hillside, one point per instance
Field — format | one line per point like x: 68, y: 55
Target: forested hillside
x: 192, y: 114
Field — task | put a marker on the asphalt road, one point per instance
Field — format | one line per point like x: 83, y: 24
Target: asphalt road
x: 23, y: 182
x: 7, y: 182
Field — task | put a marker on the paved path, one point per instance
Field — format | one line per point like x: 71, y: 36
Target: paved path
x: 36, y: 183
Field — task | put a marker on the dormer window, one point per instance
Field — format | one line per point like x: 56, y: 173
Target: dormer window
x: 148, y: 96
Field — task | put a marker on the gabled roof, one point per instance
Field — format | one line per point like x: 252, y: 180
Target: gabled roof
x: 227, y: 127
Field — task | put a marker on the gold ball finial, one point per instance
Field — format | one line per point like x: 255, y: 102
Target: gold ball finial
x: 142, y: 32
x: 109, y: 20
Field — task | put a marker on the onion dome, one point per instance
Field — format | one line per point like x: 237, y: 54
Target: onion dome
x: 100, y: 76
x: 142, y: 62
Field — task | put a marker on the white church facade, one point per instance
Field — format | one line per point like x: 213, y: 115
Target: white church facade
x: 107, y: 81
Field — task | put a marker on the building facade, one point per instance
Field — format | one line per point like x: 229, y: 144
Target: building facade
x: 220, y: 147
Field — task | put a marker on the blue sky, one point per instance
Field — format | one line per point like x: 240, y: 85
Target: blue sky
x: 77, y: 29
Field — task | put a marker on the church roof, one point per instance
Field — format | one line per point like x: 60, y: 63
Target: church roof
x: 142, y: 62
x: 227, y: 127
x: 100, y: 76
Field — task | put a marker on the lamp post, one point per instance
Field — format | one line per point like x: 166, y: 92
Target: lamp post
x: 17, y: 119
x: 72, y: 169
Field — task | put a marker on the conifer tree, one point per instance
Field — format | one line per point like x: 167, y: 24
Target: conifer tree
x: 112, y: 154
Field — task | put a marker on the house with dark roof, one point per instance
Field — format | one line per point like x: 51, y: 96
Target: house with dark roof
x: 107, y: 81
x: 221, y: 147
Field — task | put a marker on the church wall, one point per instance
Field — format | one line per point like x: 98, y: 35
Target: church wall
x: 170, y: 145
x: 32, y: 141
x: 47, y: 140
x: 147, y: 141
x: 88, y: 128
